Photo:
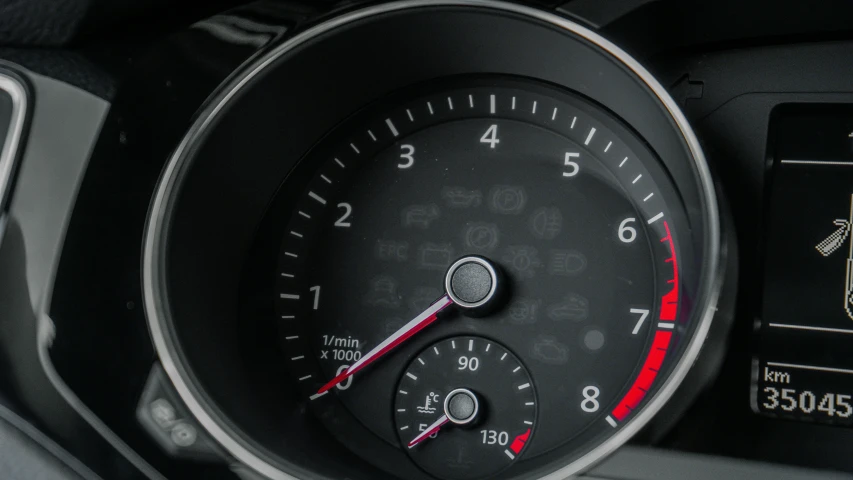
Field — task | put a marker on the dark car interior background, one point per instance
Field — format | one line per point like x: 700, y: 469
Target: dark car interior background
x: 426, y: 239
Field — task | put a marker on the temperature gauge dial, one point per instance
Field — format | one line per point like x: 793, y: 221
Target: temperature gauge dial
x: 465, y: 408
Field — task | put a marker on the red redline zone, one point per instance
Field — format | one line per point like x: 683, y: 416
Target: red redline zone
x: 660, y: 344
x: 519, y: 442
x: 669, y: 302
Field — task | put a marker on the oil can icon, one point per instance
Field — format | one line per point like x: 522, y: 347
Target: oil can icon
x: 835, y: 242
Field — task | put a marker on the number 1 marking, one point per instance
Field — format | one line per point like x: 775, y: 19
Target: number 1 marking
x: 316, y: 290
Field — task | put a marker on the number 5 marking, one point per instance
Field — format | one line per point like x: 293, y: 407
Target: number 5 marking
x: 643, y: 314
x: 574, y: 167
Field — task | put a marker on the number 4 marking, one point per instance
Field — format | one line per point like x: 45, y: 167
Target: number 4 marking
x: 643, y: 314
x: 491, y: 136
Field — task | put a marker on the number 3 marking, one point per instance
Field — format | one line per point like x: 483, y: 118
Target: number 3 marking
x: 407, y: 155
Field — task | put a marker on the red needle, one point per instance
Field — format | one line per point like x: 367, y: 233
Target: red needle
x: 425, y: 318
x: 435, y: 427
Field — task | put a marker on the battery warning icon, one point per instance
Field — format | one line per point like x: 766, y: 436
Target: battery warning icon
x: 834, y: 242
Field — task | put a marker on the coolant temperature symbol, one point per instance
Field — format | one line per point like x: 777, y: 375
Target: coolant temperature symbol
x: 833, y: 243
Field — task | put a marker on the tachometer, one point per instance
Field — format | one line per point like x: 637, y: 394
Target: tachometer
x: 480, y: 204
x: 542, y: 187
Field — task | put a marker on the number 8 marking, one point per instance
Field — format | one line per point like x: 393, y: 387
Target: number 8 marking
x: 590, y: 399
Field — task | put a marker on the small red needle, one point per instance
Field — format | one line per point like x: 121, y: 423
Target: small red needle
x: 425, y: 318
x: 435, y: 427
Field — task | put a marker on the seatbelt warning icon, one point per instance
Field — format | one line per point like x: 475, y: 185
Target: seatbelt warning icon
x: 834, y: 242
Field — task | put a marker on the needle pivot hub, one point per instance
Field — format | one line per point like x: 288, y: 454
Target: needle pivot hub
x: 474, y: 284
x: 461, y: 406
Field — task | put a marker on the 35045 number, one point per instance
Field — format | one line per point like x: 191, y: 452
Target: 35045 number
x: 791, y: 400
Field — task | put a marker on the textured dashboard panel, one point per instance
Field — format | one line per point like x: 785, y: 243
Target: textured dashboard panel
x: 29, y: 454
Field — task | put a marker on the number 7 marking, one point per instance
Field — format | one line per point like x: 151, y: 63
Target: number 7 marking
x: 643, y: 314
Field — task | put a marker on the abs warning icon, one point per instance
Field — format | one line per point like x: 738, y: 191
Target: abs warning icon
x: 834, y: 242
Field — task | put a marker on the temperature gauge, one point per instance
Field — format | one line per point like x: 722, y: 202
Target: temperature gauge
x: 465, y: 408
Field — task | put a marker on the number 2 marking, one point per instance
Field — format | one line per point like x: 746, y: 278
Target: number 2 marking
x: 341, y: 222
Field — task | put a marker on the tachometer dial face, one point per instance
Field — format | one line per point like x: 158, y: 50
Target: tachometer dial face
x: 571, y: 208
